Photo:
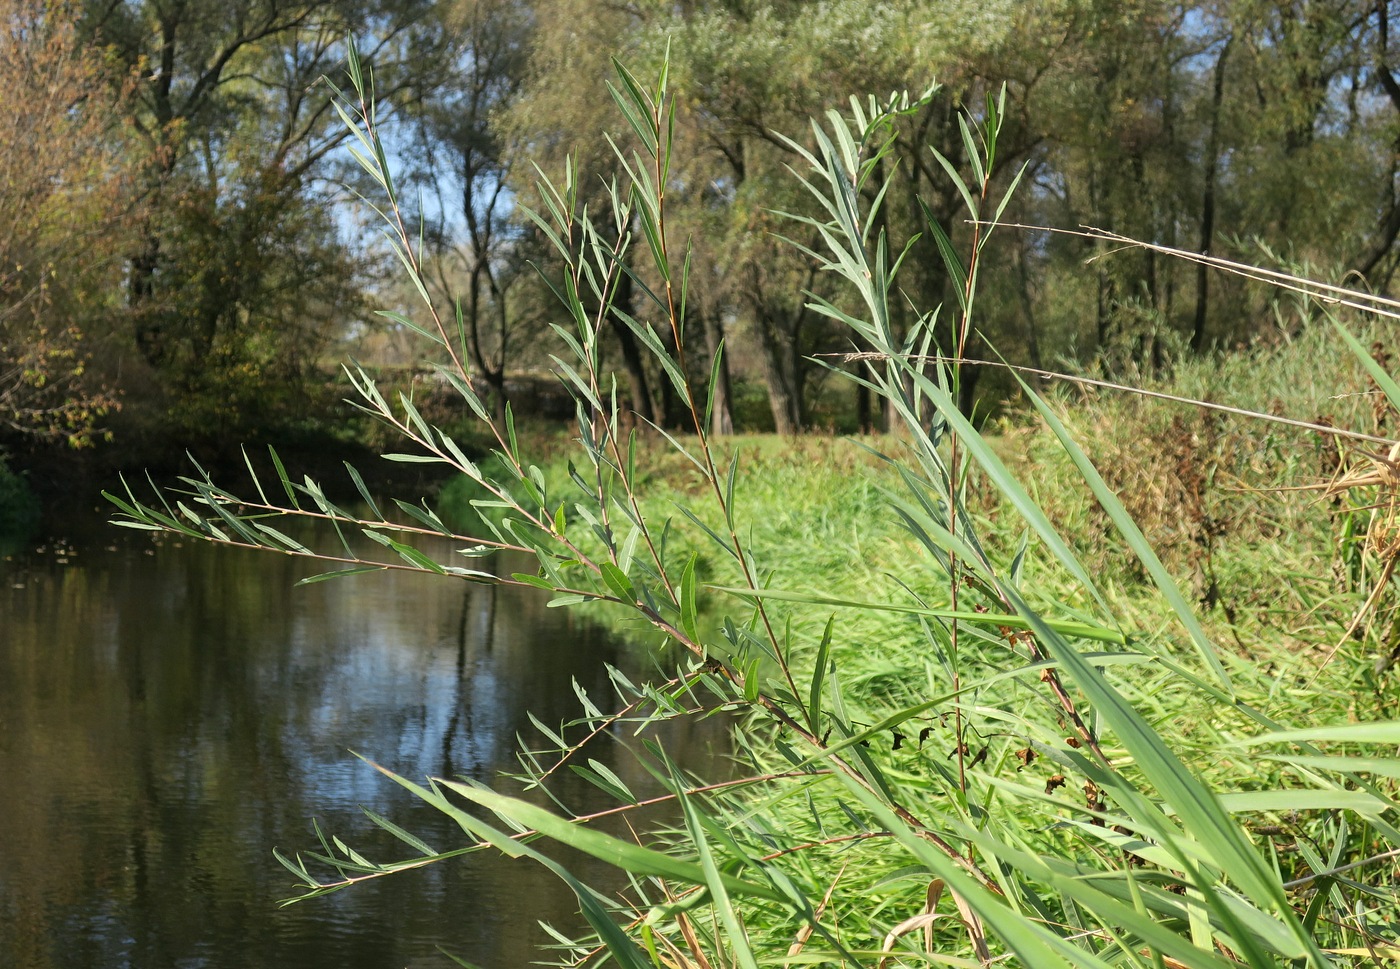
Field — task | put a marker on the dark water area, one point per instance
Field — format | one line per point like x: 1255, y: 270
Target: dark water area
x: 170, y: 712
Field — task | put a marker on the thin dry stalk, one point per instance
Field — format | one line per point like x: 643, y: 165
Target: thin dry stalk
x: 1319, y: 428
x: 975, y: 932
x: 1323, y: 292
x: 924, y: 920
x: 805, y: 933
x: 1382, y: 534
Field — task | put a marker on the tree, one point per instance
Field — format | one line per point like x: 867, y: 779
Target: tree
x: 63, y: 197
x: 1239, y: 127
x: 240, y: 274
x: 748, y: 69
x: 467, y: 162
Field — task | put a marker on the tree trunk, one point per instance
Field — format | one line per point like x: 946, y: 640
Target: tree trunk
x: 865, y: 413
x: 796, y: 371
x: 1389, y: 228
x: 149, y: 329
x: 1198, y: 327
x: 632, y: 361
x: 1027, y: 304
x: 780, y: 395
x: 671, y: 409
x: 721, y: 414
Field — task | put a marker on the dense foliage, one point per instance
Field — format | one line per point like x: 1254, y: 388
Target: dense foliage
x: 175, y: 251
x: 62, y: 214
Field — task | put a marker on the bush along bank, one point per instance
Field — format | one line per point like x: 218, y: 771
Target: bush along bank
x: 1017, y: 769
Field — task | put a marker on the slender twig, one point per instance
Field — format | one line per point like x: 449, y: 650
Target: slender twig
x: 1126, y: 388
x: 701, y: 432
x: 838, y: 839
x: 1326, y: 292
x: 623, y: 809
x: 1309, y: 879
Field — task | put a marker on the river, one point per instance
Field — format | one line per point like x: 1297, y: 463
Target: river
x: 170, y: 712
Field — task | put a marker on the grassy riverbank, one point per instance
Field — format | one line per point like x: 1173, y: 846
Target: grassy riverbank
x: 1275, y: 575
x: 1228, y: 502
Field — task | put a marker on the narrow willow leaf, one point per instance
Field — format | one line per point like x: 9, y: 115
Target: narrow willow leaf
x: 716, y: 371
x: 1079, y: 630
x: 602, y: 777
x: 713, y: 535
x: 713, y: 879
x: 364, y: 491
x: 689, y: 620
x: 1377, y: 732
x: 285, y: 542
x: 652, y: 231
x: 619, y: 945
x: 814, y: 696
x: 621, y: 854
x: 1133, y: 535
x: 951, y: 260
x: 412, y: 840
x: 635, y: 114
x: 408, y: 553
x: 1383, y: 380
x: 283, y: 478
x: 956, y: 179
x: 618, y: 582
x: 974, y: 156
x: 403, y: 321
x: 1199, y: 810
x: 424, y: 516
x: 340, y: 573
x: 257, y: 484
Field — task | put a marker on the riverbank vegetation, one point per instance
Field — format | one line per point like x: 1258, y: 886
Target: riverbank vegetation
x: 980, y: 718
x: 189, y: 269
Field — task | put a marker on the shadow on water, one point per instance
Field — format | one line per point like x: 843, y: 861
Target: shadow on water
x: 171, y: 712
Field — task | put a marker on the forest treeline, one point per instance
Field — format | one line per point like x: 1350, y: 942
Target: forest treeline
x: 182, y: 258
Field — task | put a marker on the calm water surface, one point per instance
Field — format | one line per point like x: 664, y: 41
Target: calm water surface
x: 171, y: 712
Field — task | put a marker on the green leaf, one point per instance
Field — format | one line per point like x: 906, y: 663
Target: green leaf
x: 715, y: 881
x: 1376, y: 732
x: 360, y: 486
x: 620, y: 854
x: 814, y: 696
x: 413, y: 458
x: 622, y: 948
x: 413, y: 841
x: 1200, y: 812
x: 1383, y: 380
x: 1240, y: 802
x: 951, y: 260
x: 618, y: 582
x: 1079, y: 630
x: 689, y: 622
x: 1133, y: 535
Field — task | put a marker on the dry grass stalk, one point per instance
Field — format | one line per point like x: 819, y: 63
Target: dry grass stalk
x: 805, y: 933
x: 1382, y: 534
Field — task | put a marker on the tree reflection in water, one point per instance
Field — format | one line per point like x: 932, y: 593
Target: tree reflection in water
x: 171, y: 713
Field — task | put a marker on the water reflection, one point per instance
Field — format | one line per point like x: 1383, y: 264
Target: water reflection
x: 170, y: 713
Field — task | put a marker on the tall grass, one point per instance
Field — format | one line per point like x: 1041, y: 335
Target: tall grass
x: 955, y: 744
